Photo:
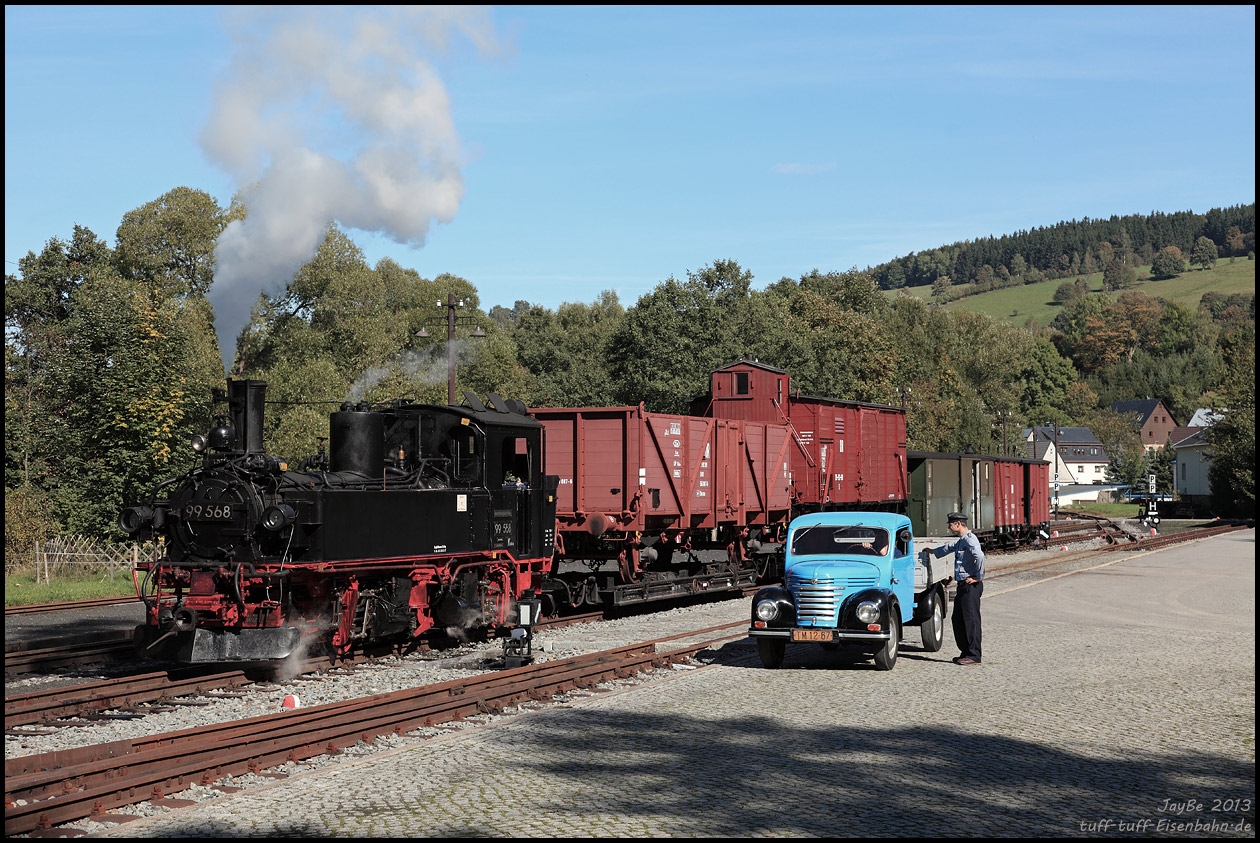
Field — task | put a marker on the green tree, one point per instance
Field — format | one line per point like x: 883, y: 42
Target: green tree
x: 894, y: 278
x: 669, y: 343
x: 338, y: 309
x: 1089, y: 264
x: 853, y: 290
x: 115, y: 397
x: 850, y: 355
x: 1204, y: 254
x: 39, y: 304
x: 961, y: 370
x: 27, y: 519
x: 566, y: 351
x: 1044, y: 379
x: 1232, y: 437
x: 1159, y: 461
x: 1080, y: 403
x: 1119, y: 275
x: 301, y: 392
x: 1018, y: 267
x: 107, y: 366
x: 1065, y: 293
x: 169, y: 242
x: 506, y: 318
x: 1168, y: 263
x: 1122, y: 441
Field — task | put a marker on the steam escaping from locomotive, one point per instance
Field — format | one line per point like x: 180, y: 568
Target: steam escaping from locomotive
x: 427, y: 366
x: 331, y: 114
x: 294, y: 664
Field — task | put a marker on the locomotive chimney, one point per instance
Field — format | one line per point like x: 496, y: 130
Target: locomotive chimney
x: 245, y: 402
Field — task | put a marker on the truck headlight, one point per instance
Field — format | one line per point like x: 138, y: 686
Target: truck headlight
x: 767, y: 611
x: 867, y: 612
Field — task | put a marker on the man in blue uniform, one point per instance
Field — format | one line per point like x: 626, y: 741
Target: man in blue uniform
x: 969, y: 575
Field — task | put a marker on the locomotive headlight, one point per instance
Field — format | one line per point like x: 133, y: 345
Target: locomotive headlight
x: 278, y: 517
x: 222, y: 436
x: 135, y: 518
x: 867, y: 612
x: 199, y: 442
x: 767, y: 611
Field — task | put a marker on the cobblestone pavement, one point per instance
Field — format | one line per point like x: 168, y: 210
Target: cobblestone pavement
x: 1118, y: 701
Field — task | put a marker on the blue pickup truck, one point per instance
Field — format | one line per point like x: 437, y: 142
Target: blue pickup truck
x: 852, y: 579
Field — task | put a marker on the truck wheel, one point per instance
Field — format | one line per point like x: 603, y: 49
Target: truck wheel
x: 886, y: 657
x: 771, y: 651
x: 933, y: 628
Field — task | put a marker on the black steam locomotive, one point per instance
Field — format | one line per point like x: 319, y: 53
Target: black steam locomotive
x: 405, y: 525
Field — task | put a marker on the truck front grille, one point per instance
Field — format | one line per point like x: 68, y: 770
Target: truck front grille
x: 818, y: 599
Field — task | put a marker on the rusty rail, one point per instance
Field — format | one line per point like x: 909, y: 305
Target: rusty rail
x: 54, y: 788
x: 69, y: 605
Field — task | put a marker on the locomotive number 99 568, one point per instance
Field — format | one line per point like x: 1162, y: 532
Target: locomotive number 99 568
x: 208, y: 512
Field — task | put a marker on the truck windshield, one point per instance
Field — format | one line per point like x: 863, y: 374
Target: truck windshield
x: 820, y: 540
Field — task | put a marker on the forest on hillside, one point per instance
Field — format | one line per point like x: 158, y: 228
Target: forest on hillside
x: 111, y: 356
x: 1071, y: 249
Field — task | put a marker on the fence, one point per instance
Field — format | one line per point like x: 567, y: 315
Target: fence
x: 78, y: 554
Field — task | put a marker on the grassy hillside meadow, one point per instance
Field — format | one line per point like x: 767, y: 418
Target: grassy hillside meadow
x: 1035, y: 301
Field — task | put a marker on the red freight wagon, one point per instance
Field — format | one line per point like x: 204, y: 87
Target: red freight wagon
x: 764, y: 457
x: 1037, y: 492
x: 1022, y: 498
x: 625, y: 469
x: 852, y: 455
x: 1009, y: 494
x: 845, y: 454
x: 678, y: 503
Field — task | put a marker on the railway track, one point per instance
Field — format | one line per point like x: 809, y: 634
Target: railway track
x: 67, y: 605
x: 67, y: 653
x: 1075, y: 559
x: 45, y: 790
x: 134, y: 696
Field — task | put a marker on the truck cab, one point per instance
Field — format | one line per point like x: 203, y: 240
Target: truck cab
x: 851, y: 579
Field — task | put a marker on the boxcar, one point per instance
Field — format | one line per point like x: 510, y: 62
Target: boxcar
x: 843, y: 454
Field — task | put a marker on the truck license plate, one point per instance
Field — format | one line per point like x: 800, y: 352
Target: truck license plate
x: 811, y: 635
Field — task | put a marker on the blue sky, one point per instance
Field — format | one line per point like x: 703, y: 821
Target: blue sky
x: 551, y: 153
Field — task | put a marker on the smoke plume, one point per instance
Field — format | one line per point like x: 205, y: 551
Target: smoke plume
x: 427, y: 366
x: 325, y: 115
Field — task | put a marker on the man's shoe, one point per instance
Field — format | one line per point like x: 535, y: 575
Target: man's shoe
x: 966, y: 661
x: 957, y: 659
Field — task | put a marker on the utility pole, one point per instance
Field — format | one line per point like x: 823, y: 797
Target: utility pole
x: 1057, y: 461
x: 452, y: 304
